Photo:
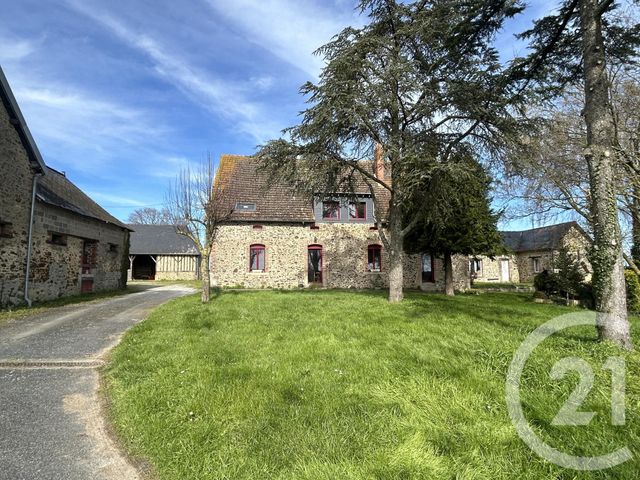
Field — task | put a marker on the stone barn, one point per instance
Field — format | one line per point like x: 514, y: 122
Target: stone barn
x: 158, y: 252
x: 55, y: 241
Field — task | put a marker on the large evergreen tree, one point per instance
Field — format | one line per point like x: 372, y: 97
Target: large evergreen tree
x: 461, y: 220
x: 423, y: 81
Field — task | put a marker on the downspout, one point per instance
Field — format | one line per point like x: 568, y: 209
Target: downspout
x: 29, y: 242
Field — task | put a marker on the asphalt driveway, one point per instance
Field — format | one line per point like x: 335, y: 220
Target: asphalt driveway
x: 51, y: 425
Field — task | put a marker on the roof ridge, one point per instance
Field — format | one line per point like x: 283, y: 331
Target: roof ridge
x: 572, y: 222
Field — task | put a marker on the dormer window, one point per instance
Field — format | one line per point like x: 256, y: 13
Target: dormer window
x: 331, y: 210
x: 245, y: 207
x: 357, y: 211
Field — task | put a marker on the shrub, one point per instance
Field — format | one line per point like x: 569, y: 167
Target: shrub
x: 633, y: 291
x: 546, y: 282
x: 585, y: 295
x: 570, y: 274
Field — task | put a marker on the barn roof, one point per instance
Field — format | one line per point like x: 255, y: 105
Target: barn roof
x: 542, y: 238
x: 54, y: 188
x: 159, y: 240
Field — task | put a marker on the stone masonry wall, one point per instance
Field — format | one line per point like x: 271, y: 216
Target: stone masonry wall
x: 491, y: 269
x: 15, y: 207
x: 56, y: 269
x: 344, y: 249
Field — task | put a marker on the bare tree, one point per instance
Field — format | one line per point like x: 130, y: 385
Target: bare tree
x: 197, y: 206
x: 150, y: 216
x: 549, y: 178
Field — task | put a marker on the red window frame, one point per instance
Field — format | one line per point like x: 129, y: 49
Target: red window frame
x: 353, y: 207
x: 373, y: 251
x: 261, y: 251
x: 335, y: 211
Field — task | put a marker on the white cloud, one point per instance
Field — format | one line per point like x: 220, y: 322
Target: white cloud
x: 290, y: 29
x: 12, y: 49
x: 221, y: 97
x: 115, y: 199
x: 78, y: 119
x: 169, y: 167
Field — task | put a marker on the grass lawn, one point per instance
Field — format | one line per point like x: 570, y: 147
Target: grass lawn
x: 342, y: 385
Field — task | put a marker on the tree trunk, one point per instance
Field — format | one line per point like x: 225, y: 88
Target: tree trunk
x: 396, y: 254
x: 448, y: 275
x: 606, y: 254
x: 206, y: 277
x: 635, y: 226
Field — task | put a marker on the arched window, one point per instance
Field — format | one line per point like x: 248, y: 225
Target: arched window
x: 256, y: 258
x: 374, y: 258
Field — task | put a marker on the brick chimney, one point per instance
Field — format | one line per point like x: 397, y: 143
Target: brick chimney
x: 378, y: 161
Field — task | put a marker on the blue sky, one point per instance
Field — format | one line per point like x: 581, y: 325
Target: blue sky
x: 120, y: 94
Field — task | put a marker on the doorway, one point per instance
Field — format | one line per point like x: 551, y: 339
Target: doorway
x: 427, y: 268
x: 504, y: 270
x: 314, y: 256
x: 143, y: 268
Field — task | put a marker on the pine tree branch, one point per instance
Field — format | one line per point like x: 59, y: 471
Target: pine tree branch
x: 604, y: 6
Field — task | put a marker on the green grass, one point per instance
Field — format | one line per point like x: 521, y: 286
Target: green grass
x: 501, y: 285
x: 342, y: 385
x: 40, y: 307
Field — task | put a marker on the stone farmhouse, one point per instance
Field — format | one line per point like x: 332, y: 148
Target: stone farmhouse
x: 157, y: 252
x: 277, y: 239
x: 54, y: 240
x: 531, y: 252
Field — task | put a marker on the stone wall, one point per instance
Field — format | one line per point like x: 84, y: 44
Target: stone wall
x: 525, y: 263
x: 56, y: 269
x: 344, y: 247
x: 16, y: 179
x: 521, y: 263
x: 491, y: 269
x: 460, y: 274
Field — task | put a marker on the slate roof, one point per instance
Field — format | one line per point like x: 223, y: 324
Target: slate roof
x: 244, y: 183
x: 543, y: 238
x: 159, y: 240
x: 54, y: 188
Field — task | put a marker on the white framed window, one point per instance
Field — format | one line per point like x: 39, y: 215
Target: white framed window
x: 536, y: 264
x: 476, y: 266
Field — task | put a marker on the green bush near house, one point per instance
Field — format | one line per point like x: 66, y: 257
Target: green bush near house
x: 633, y: 291
x: 343, y: 385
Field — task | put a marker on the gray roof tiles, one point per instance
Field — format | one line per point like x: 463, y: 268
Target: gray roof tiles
x: 56, y: 189
x: 542, y: 238
x: 159, y: 240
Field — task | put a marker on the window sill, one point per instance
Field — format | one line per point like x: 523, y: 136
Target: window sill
x: 257, y: 271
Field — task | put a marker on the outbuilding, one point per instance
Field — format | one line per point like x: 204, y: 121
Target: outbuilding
x: 159, y: 252
x: 55, y: 241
